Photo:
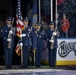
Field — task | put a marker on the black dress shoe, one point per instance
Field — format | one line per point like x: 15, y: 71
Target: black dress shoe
x: 26, y: 66
x: 52, y: 66
x: 23, y: 67
x: 8, y: 67
x: 38, y: 66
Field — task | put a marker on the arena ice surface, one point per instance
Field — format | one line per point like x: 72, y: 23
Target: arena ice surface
x: 37, y: 72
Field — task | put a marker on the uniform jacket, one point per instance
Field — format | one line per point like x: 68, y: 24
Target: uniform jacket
x: 38, y: 39
x: 4, y: 34
x: 27, y: 40
x: 48, y: 37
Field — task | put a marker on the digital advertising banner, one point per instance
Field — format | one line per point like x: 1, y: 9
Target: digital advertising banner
x: 66, y: 52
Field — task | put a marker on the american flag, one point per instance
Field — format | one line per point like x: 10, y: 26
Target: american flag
x: 19, y: 19
x: 18, y: 49
x: 19, y: 25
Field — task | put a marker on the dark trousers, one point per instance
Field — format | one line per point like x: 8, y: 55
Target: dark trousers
x: 8, y: 56
x: 25, y: 51
x: 52, y: 57
x: 38, y: 56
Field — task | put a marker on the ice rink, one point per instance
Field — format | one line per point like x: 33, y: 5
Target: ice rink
x: 38, y: 71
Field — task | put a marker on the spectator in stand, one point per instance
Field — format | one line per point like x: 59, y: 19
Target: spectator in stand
x: 65, y: 26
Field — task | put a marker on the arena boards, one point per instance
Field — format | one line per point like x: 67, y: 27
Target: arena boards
x: 66, y: 52
x: 37, y: 72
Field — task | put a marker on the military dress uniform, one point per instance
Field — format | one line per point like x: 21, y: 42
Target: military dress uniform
x: 52, y: 52
x: 38, y: 44
x: 27, y: 43
x: 6, y: 32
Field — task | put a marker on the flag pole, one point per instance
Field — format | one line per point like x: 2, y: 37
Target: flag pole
x: 52, y: 37
x: 21, y: 45
x: 19, y: 1
x: 34, y: 22
x: 51, y: 7
x: 21, y: 54
x: 39, y: 11
x: 56, y: 12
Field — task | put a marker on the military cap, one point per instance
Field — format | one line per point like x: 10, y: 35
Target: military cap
x: 9, y: 19
x: 26, y: 19
x: 51, y: 23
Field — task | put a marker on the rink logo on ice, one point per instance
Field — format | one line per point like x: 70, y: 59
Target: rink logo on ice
x: 65, y: 48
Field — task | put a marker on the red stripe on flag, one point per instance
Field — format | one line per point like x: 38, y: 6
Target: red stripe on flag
x: 18, y: 51
x: 19, y: 24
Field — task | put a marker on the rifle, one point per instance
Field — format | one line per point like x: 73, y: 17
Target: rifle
x: 53, y: 38
x: 10, y: 35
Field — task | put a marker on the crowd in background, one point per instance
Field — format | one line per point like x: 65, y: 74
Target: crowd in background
x: 70, y: 27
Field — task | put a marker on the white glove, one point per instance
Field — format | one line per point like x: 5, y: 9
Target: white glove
x: 22, y: 35
x: 51, y: 41
x: 9, y: 40
x: 11, y: 32
x: 54, y: 33
x: 29, y: 30
x: 21, y: 44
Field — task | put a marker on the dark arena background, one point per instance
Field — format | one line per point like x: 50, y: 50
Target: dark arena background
x: 66, y: 52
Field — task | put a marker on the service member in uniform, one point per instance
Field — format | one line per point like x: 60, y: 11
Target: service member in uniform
x: 7, y: 33
x: 52, y: 50
x: 26, y: 42
x: 39, y: 35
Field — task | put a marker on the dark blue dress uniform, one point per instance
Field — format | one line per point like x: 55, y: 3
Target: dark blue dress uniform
x: 38, y: 43
x: 7, y: 51
x: 52, y: 52
x: 27, y: 43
